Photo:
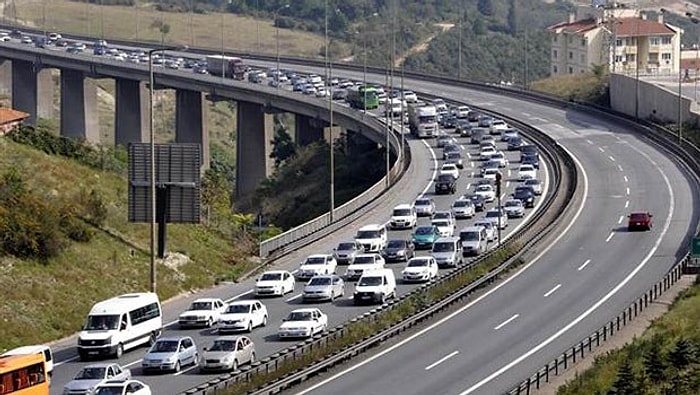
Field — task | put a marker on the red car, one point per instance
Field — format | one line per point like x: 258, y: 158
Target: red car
x: 639, y: 221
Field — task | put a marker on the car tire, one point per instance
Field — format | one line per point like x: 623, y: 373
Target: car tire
x: 252, y: 358
x: 210, y: 322
x: 250, y: 326
x: 264, y: 321
x: 177, y: 367
x: 120, y: 351
x: 195, y: 361
x: 234, y: 365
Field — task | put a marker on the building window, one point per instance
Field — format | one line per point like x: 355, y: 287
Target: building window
x: 555, y: 54
x: 583, y: 58
x: 618, y: 42
x: 666, y: 40
x: 618, y: 58
x: 571, y: 70
x: 631, y: 58
x: 653, y: 58
x: 583, y: 42
x: 555, y: 70
x: 571, y: 55
x: 654, y: 41
x: 571, y: 39
x: 555, y: 38
x: 666, y: 56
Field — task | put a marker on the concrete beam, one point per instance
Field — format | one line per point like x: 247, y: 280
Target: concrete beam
x: 255, y: 131
x: 79, y: 118
x: 133, y: 109
x: 308, y: 130
x: 32, y: 90
x: 190, y: 121
x: 5, y: 77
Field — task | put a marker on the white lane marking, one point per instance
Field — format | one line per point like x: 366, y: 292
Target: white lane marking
x: 507, y: 184
x: 351, y: 297
x: 473, y: 302
x: 584, y: 265
x: 71, y: 359
x: 626, y: 180
x: 627, y: 191
x: 553, y: 290
x: 441, y: 360
x: 171, y: 323
x: 506, y: 322
x: 469, y: 155
x: 432, y: 177
x: 132, y: 363
x: 596, y: 305
x: 601, y: 149
x: 469, y: 185
x: 622, y: 218
x: 589, y: 141
x: 627, y: 204
x: 293, y: 298
x: 619, y: 167
x: 610, y: 236
x: 611, y: 158
x: 508, y: 172
x: 185, y: 371
x: 526, y: 114
x: 462, y: 147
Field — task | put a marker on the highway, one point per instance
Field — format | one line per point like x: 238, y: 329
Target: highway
x: 595, y: 269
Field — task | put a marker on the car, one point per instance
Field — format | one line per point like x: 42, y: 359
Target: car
x: 514, y: 208
x: 16, y: 33
x: 640, y: 220
x: 242, y: 315
x: 489, y: 164
x: 449, y: 121
x: 425, y: 236
x: 445, y: 183
x: 202, y: 312
x: 372, y: 237
x: 515, y: 143
x: 463, y: 208
x: 316, y: 264
x: 443, y: 214
x: 486, y: 152
x: 322, y: 92
x: 227, y: 353
x: 424, y: 207
x: 443, y: 141
x: 478, y: 200
x: 5, y: 37
x: 128, y: 387
x: 445, y: 227
x: 462, y: 111
x: 486, y: 191
x: 420, y: 269
x: 525, y: 195
x: 54, y: 36
x: 498, y: 217
x: 485, y: 121
x: 498, y: 126
x: 487, y: 139
x: 346, y: 251
x: 398, y: 250
x: 509, y: 133
x: 450, y: 169
x: 409, y: 96
x: 90, y: 376
x: 535, y: 184
x: 274, y: 283
x: 490, y: 174
x: 448, y: 148
x: 170, y: 353
x: 528, y: 149
x: 477, y: 134
x: 403, y: 217
x: 490, y: 228
x: 303, y: 323
x: 323, y: 287
x: 440, y: 105
x: 530, y: 159
x: 473, y: 116
x: 526, y: 172
x: 500, y: 159
x: 100, y: 43
x: 463, y: 127
x: 364, y: 262
x: 455, y: 158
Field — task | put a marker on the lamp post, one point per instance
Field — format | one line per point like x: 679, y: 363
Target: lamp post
x: 277, y: 39
x: 152, y: 154
x: 636, y: 70
x: 331, y: 203
x: 257, y: 22
x: 364, y: 65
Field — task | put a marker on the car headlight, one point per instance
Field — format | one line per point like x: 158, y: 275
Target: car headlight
x: 401, y: 253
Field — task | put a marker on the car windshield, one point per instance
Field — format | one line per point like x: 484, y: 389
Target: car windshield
x: 111, y: 390
x: 513, y: 203
x: 638, y: 217
x: 443, y: 247
x: 441, y: 223
x: 101, y: 322
x: 461, y: 203
x: 299, y: 316
x: 165, y: 346
x: 367, y: 234
x: 370, y: 281
x: 445, y: 177
x: 532, y: 181
x: 91, y: 374
x: 483, y: 188
x: 364, y: 259
x: 492, y: 214
x: 422, y: 202
x: 469, y: 236
x: 526, y: 168
x: 404, y: 212
x: 201, y: 306
x: 346, y: 246
x: 315, y: 260
x: 238, y: 309
x: 424, y: 230
x: 271, y: 277
x: 320, y: 281
x: 396, y: 244
x: 418, y: 262
x: 223, y: 345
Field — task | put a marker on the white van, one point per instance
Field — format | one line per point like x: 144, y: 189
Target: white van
x: 37, y: 349
x: 474, y: 240
x: 372, y: 237
x: 121, y: 323
x: 375, y: 287
x: 447, y: 252
x: 404, y: 216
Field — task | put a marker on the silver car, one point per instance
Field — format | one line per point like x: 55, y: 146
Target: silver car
x: 346, y: 251
x: 91, y: 376
x: 228, y: 353
x: 170, y: 354
x: 325, y: 287
x: 535, y: 184
x: 424, y: 207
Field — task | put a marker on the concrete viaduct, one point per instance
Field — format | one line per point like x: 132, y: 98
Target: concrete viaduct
x: 27, y: 70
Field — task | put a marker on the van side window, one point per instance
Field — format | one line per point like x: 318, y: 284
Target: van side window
x: 144, y: 313
x: 122, y: 325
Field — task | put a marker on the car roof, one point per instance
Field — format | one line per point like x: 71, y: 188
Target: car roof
x: 304, y: 310
x: 229, y: 337
x: 472, y: 228
x: 99, y: 365
x: 403, y: 206
x: 275, y: 272
x: 206, y: 300
x: 172, y: 338
x: 243, y: 302
x: 451, y: 239
x: 318, y: 256
x: 372, y: 227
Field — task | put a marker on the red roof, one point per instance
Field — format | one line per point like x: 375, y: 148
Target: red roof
x: 632, y: 27
x: 580, y: 26
x: 8, y: 115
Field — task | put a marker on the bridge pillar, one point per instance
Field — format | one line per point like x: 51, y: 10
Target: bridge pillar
x: 5, y: 77
x: 131, y: 121
x: 190, y: 121
x: 32, y: 90
x: 79, y: 106
x: 308, y: 130
x: 255, y: 131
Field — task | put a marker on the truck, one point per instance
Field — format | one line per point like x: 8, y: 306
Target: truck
x: 230, y: 66
x: 362, y: 97
x: 422, y: 120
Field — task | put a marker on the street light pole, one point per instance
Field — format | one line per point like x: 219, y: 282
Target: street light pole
x: 329, y: 76
x: 277, y: 39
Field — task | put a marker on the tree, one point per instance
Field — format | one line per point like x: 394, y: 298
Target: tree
x: 486, y: 7
x: 162, y: 27
x: 283, y: 147
x: 655, y: 365
x: 626, y: 382
x: 513, y: 17
x: 684, y: 354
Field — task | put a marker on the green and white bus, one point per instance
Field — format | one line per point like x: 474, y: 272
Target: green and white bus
x: 363, y: 97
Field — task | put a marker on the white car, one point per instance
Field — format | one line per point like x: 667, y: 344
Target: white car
x: 121, y: 387
x: 424, y: 206
x: 275, y: 282
x: 526, y: 172
x: 500, y: 158
x: 243, y: 315
x: 509, y: 134
x: 535, y: 184
x: 316, y: 264
x: 444, y: 226
x: 498, y: 218
x: 202, y: 312
x: 514, y: 208
x: 498, y: 126
x: 486, y: 191
x: 422, y: 268
x: 5, y: 37
x: 490, y: 173
x: 303, y: 323
x: 409, y: 96
x: 54, y: 36
x: 403, y: 216
x: 486, y: 152
x: 322, y: 92
x: 491, y: 232
x: 463, y: 208
x: 462, y: 111
x: 363, y: 263
x: 90, y: 376
x: 451, y: 169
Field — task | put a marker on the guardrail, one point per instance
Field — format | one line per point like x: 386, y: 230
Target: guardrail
x: 553, y: 212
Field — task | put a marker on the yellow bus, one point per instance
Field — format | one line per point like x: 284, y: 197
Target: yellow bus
x: 23, y: 375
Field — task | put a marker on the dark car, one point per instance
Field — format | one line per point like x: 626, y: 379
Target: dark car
x: 514, y: 143
x: 398, y: 250
x: 449, y: 121
x: 530, y: 159
x: 41, y: 42
x: 447, y: 148
x: 443, y: 140
x: 525, y: 195
x: 478, y: 200
x: 445, y: 183
x: 456, y: 158
x: 485, y: 121
x: 463, y: 127
x: 639, y: 221
x: 473, y: 116
x: 528, y: 149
